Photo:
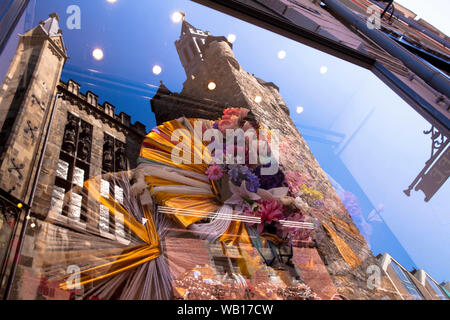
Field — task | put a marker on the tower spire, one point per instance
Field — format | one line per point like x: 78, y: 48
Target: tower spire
x: 51, y: 25
x: 190, y: 47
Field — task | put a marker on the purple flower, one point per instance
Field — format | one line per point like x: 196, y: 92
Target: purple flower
x: 241, y: 174
x: 352, y: 205
x: 268, y: 182
x: 252, y: 182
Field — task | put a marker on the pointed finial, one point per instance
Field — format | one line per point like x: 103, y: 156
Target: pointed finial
x: 54, y: 15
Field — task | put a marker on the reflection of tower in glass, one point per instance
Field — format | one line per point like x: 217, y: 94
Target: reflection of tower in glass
x: 50, y: 127
x: 210, y: 59
x: 26, y: 98
x: 190, y: 46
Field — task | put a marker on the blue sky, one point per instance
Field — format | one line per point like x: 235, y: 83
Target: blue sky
x: 381, y: 145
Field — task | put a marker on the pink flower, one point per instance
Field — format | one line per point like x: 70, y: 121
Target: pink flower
x: 214, y: 172
x: 230, y: 123
x: 295, y: 180
x: 269, y: 211
x: 239, y: 112
x: 243, y: 113
x: 296, y: 233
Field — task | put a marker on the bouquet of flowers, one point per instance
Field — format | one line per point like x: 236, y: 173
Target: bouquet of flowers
x: 248, y: 178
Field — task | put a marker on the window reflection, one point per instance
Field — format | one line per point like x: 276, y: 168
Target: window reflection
x: 368, y: 141
x: 406, y: 281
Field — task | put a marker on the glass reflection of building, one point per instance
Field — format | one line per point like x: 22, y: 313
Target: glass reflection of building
x: 414, y: 285
x: 431, y: 285
x: 333, y: 141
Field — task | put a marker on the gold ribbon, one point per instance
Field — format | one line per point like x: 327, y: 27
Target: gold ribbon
x: 133, y: 256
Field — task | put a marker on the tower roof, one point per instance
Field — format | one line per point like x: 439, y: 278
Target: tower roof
x: 51, y: 25
x: 186, y: 26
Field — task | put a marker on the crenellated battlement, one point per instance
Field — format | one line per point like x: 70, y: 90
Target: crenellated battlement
x: 90, y: 100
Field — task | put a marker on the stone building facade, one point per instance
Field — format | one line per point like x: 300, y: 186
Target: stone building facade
x: 342, y: 251
x: 53, y: 138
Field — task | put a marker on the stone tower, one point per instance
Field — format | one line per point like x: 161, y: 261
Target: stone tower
x: 191, y: 47
x: 26, y: 101
x: 83, y: 138
x: 345, y: 257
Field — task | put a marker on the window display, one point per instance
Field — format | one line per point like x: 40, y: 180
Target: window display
x: 167, y: 150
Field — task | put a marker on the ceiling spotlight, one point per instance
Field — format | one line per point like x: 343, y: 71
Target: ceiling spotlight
x: 231, y: 38
x: 212, y: 86
x: 323, y: 69
x: 98, y: 54
x: 300, y: 110
x: 157, y: 69
x: 281, y: 54
x: 177, y: 17
x: 258, y: 99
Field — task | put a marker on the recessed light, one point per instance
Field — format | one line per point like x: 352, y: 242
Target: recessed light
x: 157, y: 69
x: 212, y: 86
x: 231, y: 38
x: 281, y: 54
x: 177, y: 17
x: 98, y: 54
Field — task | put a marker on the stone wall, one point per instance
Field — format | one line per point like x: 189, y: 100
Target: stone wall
x: 75, y: 104
x: 28, y: 283
x: 26, y: 102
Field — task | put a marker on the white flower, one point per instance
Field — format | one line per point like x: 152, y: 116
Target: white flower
x: 287, y: 201
x: 300, y: 204
x: 239, y: 194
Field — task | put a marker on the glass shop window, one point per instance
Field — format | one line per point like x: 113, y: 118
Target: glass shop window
x: 91, y: 95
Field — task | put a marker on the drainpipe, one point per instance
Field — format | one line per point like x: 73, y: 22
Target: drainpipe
x: 430, y: 76
x: 28, y: 213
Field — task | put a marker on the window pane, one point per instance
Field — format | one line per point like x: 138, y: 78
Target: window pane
x: 359, y: 171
